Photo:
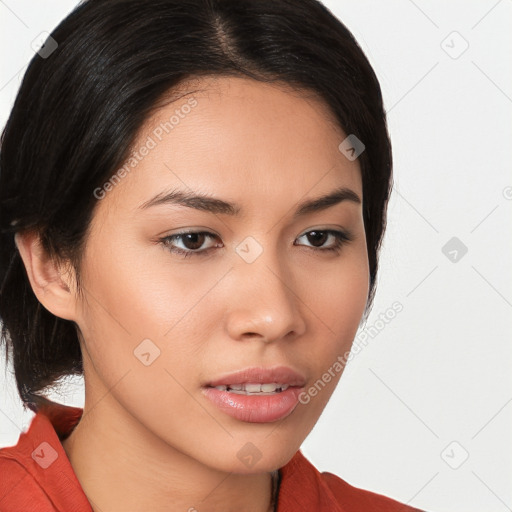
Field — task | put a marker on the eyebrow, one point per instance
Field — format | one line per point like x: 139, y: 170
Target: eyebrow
x: 214, y: 205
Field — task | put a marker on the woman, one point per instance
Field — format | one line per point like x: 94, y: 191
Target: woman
x: 193, y: 197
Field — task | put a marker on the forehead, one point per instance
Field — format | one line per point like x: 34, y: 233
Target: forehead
x: 240, y: 139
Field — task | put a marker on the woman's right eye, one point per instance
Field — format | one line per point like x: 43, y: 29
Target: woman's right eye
x: 192, y: 241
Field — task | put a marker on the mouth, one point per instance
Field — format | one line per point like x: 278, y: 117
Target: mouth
x: 248, y: 378
x: 254, y: 388
x: 257, y: 395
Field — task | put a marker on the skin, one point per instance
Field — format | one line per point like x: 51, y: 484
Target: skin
x: 148, y: 438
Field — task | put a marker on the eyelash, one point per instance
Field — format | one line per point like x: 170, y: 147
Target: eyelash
x: 342, y: 237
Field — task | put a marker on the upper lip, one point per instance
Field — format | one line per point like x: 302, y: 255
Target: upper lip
x: 254, y: 375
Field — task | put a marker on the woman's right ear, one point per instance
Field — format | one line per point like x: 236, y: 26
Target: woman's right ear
x: 50, y: 281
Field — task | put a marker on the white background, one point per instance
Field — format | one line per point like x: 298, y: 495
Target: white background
x: 439, y: 372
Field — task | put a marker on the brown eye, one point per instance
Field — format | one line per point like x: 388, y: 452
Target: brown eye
x: 317, y: 238
x: 192, y: 243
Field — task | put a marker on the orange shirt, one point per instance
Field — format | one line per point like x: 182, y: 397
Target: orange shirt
x: 36, y: 475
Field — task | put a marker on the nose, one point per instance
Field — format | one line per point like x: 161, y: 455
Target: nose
x: 263, y: 302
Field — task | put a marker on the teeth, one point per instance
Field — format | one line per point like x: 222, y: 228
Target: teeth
x: 253, y: 388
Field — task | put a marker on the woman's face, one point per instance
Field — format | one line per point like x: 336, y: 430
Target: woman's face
x: 165, y: 317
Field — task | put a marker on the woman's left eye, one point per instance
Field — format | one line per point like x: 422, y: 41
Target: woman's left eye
x: 194, y: 241
x: 320, y: 235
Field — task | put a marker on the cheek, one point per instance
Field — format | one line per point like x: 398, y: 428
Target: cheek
x: 338, y: 296
x: 350, y: 296
x: 137, y: 330
x: 337, y: 303
x: 131, y: 293
x: 138, y: 305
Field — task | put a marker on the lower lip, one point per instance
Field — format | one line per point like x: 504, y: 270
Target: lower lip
x: 254, y: 408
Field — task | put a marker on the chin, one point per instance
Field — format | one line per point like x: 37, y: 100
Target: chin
x: 258, y: 454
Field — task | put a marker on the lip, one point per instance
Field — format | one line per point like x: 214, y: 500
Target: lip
x: 280, y: 374
x: 254, y: 408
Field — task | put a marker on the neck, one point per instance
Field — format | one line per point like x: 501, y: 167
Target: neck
x: 121, y: 466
